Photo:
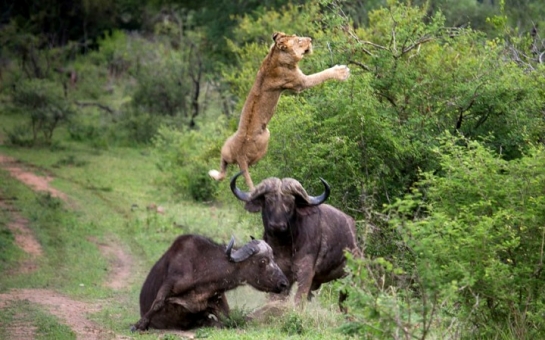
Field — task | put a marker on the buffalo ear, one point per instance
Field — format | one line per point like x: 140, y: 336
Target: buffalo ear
x: 253, y: 206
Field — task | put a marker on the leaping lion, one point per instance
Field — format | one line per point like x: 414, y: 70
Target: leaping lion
x: 278, y: 72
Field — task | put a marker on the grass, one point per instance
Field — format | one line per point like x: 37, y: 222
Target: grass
x: 38, y: 322
x: 109, y: 192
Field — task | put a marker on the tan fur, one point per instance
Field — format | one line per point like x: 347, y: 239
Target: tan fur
x: 278, y: 72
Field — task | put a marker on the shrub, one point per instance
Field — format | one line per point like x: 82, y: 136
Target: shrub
x: 163, y: 86
x: 238, y: 318
x: 184, y: 160
x: 293, y: 324
x: 42, y: 101
x: 470, y: 240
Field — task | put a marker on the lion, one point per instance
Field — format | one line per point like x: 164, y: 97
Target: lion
x: 279, y: 71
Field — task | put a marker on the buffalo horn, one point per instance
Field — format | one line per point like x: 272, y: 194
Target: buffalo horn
x: 246, y: 251
x: 317, y: 200
x: 241, y: 195
x: 293, y: 187
x: 230, y: 247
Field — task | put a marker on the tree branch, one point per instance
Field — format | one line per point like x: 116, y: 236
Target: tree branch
x: 100, y: 106
x: 362, y: 65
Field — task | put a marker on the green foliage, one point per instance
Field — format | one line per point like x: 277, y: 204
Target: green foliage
x: 184, y: 161
x: 238, y: 318
x: 292, y: 324
x: 290, y: 19
x: 383, y: 303
x: 474, y: 238
x: 485, y: 222
x: 163, y: 84
x: 138, y: 126
x: 42, y: 101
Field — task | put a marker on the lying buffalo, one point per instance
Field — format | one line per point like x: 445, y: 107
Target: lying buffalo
x: 308, y: 238
x: 186, y: 287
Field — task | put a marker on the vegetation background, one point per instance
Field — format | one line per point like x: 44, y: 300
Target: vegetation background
x: 434, y: 145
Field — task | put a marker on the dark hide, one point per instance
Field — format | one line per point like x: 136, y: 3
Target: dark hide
x: 308, y: 238
x: 186, y: 287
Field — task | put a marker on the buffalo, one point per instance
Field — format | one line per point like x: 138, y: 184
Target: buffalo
x: 308, y: 238
x: 186, y: 288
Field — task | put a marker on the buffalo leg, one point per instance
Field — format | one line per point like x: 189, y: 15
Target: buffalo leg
x: 303, y: 289
x: 315, y: 286
x: 343, y: 295
x: 304, y: 273
x: 156, y: 306
x: 219, y: 307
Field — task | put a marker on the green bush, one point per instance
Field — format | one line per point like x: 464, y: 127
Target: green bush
x: 43, y: 102
x: 470, y: 242
x: 185, y: 161
x: 237, y: 319
x: 293, y: 324
x: 20, y: 135
x: 138, y: 126
x: 163, y: 85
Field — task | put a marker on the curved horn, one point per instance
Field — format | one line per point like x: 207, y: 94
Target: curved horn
x: 302, y: 198
x: 245, y: 252
x: 317, y: 200
x: 241, y: 195
x: 230, y: 247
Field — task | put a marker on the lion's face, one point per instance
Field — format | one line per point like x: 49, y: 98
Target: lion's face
x: 296, y: 47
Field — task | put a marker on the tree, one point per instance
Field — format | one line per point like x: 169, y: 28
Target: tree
x: 43, y: 102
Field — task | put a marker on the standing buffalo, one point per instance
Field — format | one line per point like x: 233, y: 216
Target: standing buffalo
x: 186, y: 287
x: 308, y: 238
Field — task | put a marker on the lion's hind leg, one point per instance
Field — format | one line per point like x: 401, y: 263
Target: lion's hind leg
x: 243, y: 165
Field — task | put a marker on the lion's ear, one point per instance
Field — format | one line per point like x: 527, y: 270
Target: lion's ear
x: 279, y: 42
x: 277, y: 35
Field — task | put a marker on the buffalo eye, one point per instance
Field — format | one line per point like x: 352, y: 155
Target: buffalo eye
x: 263, y: 262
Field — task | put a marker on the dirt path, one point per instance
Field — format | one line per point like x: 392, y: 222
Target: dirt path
x: 37, y: 183
x: 121, y: 264
x: 24, y: 238
x: 72, y: 312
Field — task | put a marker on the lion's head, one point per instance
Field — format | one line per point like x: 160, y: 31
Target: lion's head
x: 296, y: 47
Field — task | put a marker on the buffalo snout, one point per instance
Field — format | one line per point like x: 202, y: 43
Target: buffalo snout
x: 278, y: 282
x: 283, y: 285
x: 278, y: 227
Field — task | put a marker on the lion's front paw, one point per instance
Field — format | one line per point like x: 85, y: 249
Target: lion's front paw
x: 342, y: 72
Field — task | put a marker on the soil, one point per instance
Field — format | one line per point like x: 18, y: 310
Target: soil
x: 37, y: 183
x: 71, y: 312
x: 121, y: 264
